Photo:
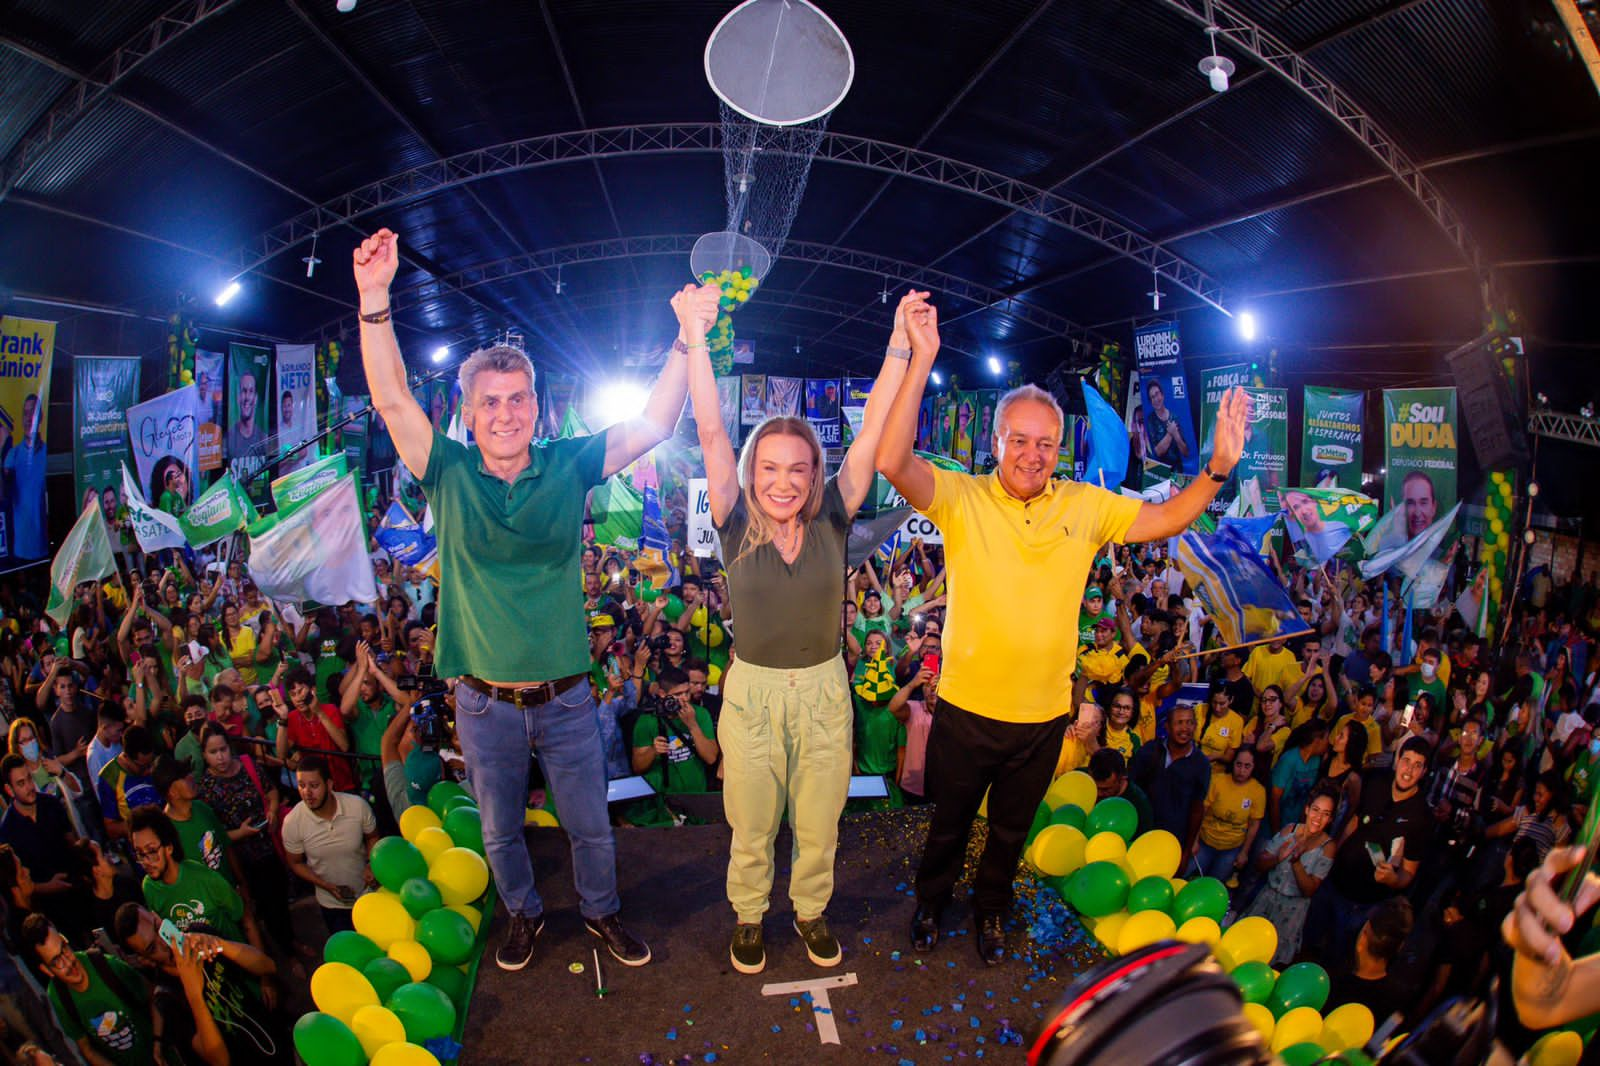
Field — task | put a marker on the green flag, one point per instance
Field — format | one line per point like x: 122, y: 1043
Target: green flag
x: 572, y: 425
x: 220, y: 510
x: 617, y: 512
x: 84, y: 556
x: 293, y: 489
x: 1323, y: 523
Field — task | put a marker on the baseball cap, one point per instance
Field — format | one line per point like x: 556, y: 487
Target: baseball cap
x: 601, y: 620
x: 1105, y: 623
x: 1093, y: 592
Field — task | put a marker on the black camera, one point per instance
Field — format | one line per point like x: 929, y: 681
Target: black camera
x: 428, y: 716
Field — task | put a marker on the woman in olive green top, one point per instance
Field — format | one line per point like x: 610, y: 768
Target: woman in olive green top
x: 786, y: 716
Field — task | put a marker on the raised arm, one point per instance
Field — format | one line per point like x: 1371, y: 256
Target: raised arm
x: 722, y: 468
x: 1157, y: 521
x: 856, y: 473
x: 626, y: 441
x: 911, y: 476
x: 376, y: 259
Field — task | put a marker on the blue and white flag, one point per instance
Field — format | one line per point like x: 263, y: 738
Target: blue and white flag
x: 1106, y: 461
x: 1407, y: 558
x: 404, y: 539
x: 1242, y: 596
x: 1254, y: 531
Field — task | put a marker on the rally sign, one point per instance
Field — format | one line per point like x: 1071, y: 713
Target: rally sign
x: 1419, y: 454
x: 1330, y: 442
x: 921, y: 528
x: 1168, y: 428
x: 703, y: 540
x: 293, y: 489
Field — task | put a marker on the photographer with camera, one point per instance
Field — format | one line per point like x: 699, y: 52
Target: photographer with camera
x: 674, y: 746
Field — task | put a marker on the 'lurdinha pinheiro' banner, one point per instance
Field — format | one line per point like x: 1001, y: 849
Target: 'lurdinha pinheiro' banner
x: 1169, y: 438
x: 1330, y: 444
x: 1419, y: 452
x: 103, y: 390
x: 26, y: 349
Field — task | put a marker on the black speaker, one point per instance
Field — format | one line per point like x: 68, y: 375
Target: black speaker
x: 1493, y: 415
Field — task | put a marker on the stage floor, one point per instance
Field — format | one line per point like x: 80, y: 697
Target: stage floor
x: 689, y: 1004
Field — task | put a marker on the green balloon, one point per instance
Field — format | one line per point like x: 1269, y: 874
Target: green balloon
x: 1303, y: 1054
x: 350, y: 948
x: 447, y: 936
x: 441, y: 792
x: 454, y: 802
x: 1150, y: 894
x: 647, y: 592
x: 419, y: 896
x: 1204, y: 897
x: 386, y: 975
x: 1099, y: 889
x: 451, y: 981
x: 673, y: 609
x: 1305, y: 984
x: 465, y: 826
x: 1114, y: 815
x: 323, y: 1040
x: 1255, y: 981
x: 395, y: 861
x: 424, y: 1010
x: 1061, y: 886
x: 1041, y: 818
x: 1070, y: 814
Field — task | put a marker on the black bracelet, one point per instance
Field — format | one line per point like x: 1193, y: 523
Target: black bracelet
x: 376, y: 318
x: 1218, y: 478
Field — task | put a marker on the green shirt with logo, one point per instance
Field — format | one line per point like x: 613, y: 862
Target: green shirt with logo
x: 199, y: 895
x: 205, y: 839
x: 119, y: 1031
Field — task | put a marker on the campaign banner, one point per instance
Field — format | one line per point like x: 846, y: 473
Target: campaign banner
x: 293, y: 489
x: 434, y: 398
x: 752, y: 399
x: 1168, y: 426
x: 318, y: 554
x: 1214, y: 383
x: 561, y: 391
x: 103, y: 389
x: 983, y: 456
x: 1330, y: 441
x: 297, y: 404
x: 703, y: 539
x: 744, y: 351
x: 85, y: 555
x: 963, y: 428
x: 853, y: 406
x: 783, y: 396
x: 403, y: 537
x: 822, y: 410
x: 1243, y: 597
x: 925, y: 422
x: 1419, y: 453
x: 208, y: 378
x: 356, y: 434
x: 1322, y: 522
x: 1266, y: 444
x: 165, y: 444
x: 27, y: 346
x: 245, y: 449
x: 220, y: 510
x: 728, y: 387
x: 154, y: 529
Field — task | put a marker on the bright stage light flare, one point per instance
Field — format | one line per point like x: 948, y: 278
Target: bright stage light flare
x: 1247, y: 325
x: 994, y: 365
x: 617, y: 401
x: 229, y: 291
x: 441, y: 353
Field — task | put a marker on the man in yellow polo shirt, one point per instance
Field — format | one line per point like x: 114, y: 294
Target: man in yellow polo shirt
x: 1005, y: 690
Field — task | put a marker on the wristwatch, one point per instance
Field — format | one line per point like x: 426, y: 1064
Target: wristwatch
x: 1213, y: 475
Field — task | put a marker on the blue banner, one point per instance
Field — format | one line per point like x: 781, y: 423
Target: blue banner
x: 1169, y: 438
x: 402, y: 537
x: 1242, y: 596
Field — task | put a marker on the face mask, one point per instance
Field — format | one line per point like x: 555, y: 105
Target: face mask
x: 1428, y: 670
x: 30, y: 750
x: 1594, y: 746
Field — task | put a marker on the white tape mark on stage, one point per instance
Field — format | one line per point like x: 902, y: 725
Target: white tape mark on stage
x: 821, y: 1009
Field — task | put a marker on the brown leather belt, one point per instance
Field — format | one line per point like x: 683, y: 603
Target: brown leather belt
x: 527, y: 695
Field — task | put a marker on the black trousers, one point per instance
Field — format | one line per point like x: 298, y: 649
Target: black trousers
x: 968, y: 754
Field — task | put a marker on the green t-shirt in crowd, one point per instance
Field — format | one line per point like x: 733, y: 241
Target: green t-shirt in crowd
x: 189, y: 751
x: 366, y: 733
x: 328, y: 664
x: 205, y: 838
x: 681, y: 770
x: 200, y: 894
x: 119, y: 1031
x: 878, y: 736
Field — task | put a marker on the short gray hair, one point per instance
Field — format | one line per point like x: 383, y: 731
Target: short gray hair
x: 499, y: 359
x: 1028, y: 392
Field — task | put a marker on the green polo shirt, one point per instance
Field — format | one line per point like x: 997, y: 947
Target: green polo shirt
x: 511, y: 585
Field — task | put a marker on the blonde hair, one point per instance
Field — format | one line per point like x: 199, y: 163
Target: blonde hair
x: 760, y: 526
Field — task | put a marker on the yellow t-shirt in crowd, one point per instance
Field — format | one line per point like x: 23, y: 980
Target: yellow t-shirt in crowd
x: 994, y: 545
x: 1230, y: 808
x: 1374, y: 733
x: 1266, y: 667
x: 1123, y: 740
x: 1303, y: 712
x: 242, y: 649
x: 1074, y: 755
x: 1147, y: 716
x: 1221, y: 734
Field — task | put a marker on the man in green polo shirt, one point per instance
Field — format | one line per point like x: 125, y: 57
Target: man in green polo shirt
x: 508, y: 515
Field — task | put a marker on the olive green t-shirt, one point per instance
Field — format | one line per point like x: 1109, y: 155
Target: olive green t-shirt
x: 117, y: 1030
x: 205, y: 838
x: 200, y: 894
x: 788, y: 614
x: 511, y: 584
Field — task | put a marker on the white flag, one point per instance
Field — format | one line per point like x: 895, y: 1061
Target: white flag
x: 155, y: 529
x: 84, y: 556
x: 317, y: 553
x: 1409, y: 557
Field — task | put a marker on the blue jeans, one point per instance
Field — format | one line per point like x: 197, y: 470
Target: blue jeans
x: 1213, y: 862
x: 496, y: 739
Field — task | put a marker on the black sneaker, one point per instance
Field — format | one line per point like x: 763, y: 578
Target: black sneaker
x: 821, y: 945
x: 622, y: 945
x: 748, y: 953
x: 517, y: 949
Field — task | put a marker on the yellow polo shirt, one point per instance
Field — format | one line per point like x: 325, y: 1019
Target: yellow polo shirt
x: 996, y: 548
x: 1266, y: 667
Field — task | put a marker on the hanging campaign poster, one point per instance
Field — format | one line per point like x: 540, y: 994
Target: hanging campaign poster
x: 208, y: 377
x: 1266, y: 444
x: 165, y: 445
x: 1330, y: 444
x: 297, y: 404
x: 434, y: 398
x: 103, y: 389
x: 853, y: 406
x: 1168, y: 426
x: 783, y: 396
x: 1419, y: 453
x: 1133, y: 415
x: 822, y: 409
x: 728, y: 387
x: 27, y: 346
x: 560, y: 392
x: 246, y: 447
x: 752, y: 399
x: 357, y: 432
x: 983, y: 430
x: 1213, y: 384
x: 963, y: 427
x: 925, y: 421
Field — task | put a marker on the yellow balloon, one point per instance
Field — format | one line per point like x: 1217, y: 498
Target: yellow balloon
x: 1155, y: 854
x: 403, y: 1055
x: 698, y: 617
x: 1108, y: 930
x: 1259, y: 1016
x: 431, y: 840
x: 1105, y: 847
x: 375, y: 1027
x: 1177, y: 885
x: 383, y: 919
x: 460, y: 874
x: 542, y: 817
x: 1351, y: 1026
x: 1057, y: 850
x: 714, y: 673
x: 473, y: 915
x: 415, y: 819
x: 1143, y: 929
x: 1252, y: 939
x: 340, y: 989
x: 1299, y: 1026
x: 714, y: 639
x: 414, y: 957
x: 1076, y: 788
x: 1201, y: 930
x: 1556, y: 1049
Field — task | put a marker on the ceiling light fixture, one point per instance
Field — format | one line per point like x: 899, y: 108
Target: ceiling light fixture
x: 1247, y: 325
x: 560, y: 285
x: 994, y: 365
x: 345, y: 6
x: 229, y: 291
x: 441, y: 353
x: 311, y: 260
x: 938, y: 378
x: 1217, y: 69
x: 1155, y: 292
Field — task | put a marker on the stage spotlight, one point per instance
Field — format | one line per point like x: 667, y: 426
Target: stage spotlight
x: 994, y: 365
x: 1247, y: 325
x: 229, y: 291
x: 441, y: 353
x: 1217, y: 69
x: 617, y: 401
x: 345, y: 6
x: 938, y: 378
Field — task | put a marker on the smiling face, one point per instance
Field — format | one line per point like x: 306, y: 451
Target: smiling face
x: 1027, y: 443
x: 783, y: 473
x: 247, y: 398
x: 1304, y: 510
x: 1420, y: 506
x: 502, y: 412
